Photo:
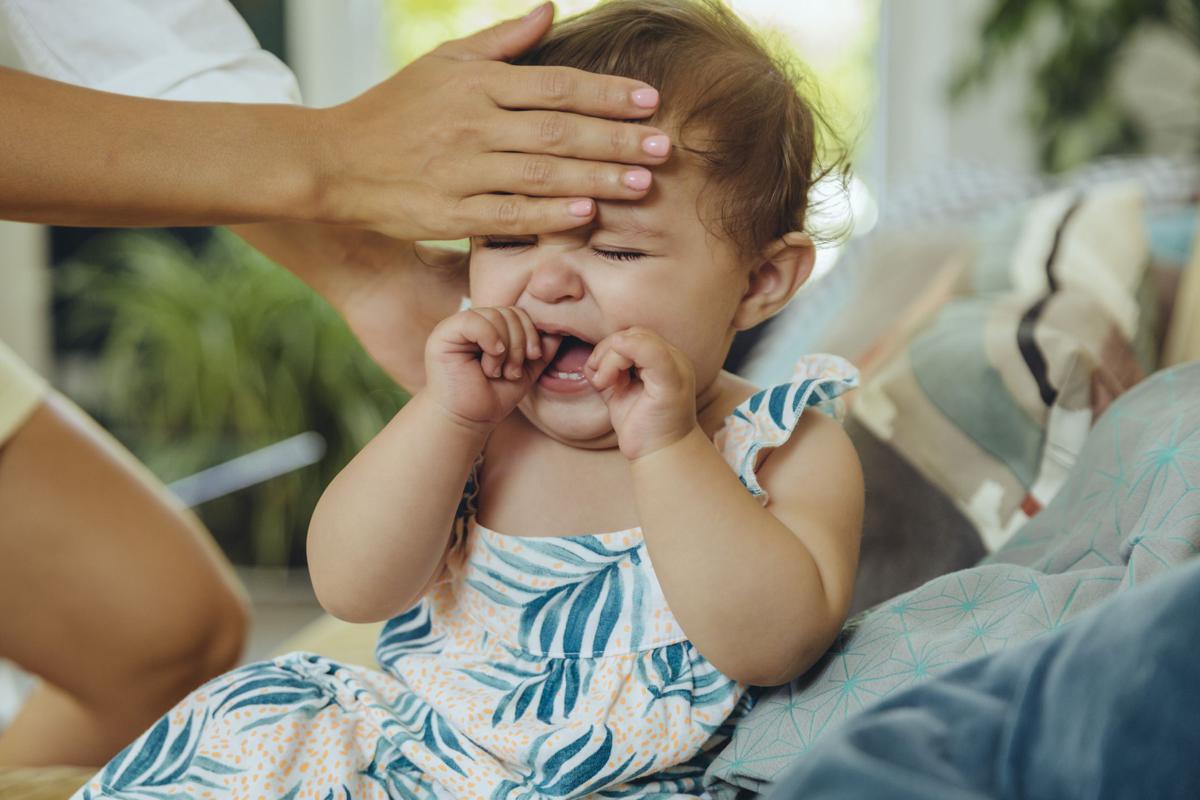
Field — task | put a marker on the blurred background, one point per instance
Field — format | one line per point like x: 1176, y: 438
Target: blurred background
x: 247, y: 394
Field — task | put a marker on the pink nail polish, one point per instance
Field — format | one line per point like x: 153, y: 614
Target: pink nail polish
x: 580, y: 208
x: 637, y: 179
x: 656, y: 145
x: 645, y: 98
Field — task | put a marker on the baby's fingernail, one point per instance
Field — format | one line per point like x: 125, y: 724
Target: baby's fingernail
x: 580, y: 208
x: 644, y: 98
x: 499, y: 348
x: 514, y: 373
x: 656, y: 145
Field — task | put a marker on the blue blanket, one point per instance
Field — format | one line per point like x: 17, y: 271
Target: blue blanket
x: 1130, y: 511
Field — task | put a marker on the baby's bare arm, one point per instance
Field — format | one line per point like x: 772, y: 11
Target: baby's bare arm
x: 381, y: 528
x: 761, y: 592
x: 380, y: 531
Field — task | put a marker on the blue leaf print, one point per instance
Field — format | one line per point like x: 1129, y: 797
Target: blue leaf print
x: 587, y: 775
x: 581, y: 608
x: 546, y: 687
x: 410, y: 632
x: 549, y: 692
x: 801, y: 392
x: 145, y: 755
x: 161, y: 760
x: 491, y: 681
x: 775, y: 405
x: 571, y: 693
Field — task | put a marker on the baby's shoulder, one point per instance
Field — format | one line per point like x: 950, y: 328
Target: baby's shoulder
x: 792, y: 421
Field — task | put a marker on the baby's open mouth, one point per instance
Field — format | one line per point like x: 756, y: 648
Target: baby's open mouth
x: 568, y: 363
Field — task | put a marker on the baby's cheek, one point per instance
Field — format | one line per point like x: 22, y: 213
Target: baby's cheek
x: 495, y: 283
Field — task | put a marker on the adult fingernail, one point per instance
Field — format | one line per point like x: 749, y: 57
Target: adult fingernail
x: 656, y: 145
x: 536, y: 12
x: 637, y: 179
x: 580, y: 208
x: 645, y: 98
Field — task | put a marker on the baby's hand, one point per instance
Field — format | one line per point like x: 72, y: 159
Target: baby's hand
x: 480, y: 362
x: 656, y: 406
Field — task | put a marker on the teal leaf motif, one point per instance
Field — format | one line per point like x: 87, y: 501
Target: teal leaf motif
x: 410, y: 632
x: 556, y: 689
x: 576, y: 769
x: 161, y: 760
x: 582, y: 611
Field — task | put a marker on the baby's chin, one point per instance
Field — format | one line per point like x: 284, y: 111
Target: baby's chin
x: 581, y: 421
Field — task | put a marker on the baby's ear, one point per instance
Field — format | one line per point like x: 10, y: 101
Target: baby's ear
x: 783, y: 267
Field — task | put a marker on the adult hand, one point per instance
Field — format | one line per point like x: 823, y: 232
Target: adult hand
x: 459, y: 143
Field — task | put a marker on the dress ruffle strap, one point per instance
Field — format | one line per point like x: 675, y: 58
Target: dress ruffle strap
x: 767, y: 419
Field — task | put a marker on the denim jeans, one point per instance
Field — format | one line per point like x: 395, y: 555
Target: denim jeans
x: 1106, y: 707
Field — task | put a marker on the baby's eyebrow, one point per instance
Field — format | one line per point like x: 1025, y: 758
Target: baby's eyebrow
x: 627, y: 223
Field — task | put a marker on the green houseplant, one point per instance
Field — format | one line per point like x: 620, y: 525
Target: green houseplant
x: 208, y: 354
x: 1075, y: 112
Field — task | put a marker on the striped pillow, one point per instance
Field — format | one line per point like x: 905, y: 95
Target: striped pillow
x: 991, y: 400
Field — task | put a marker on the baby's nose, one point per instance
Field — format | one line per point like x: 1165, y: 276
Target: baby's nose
x: 555, y: 280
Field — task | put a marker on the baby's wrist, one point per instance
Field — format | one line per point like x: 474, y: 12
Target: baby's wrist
x: 669, y: 445
x: 450, y: 423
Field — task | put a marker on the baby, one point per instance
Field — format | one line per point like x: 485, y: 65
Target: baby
x: 642, y: 535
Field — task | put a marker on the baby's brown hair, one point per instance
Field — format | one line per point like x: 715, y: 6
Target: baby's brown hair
x: 732, y: 103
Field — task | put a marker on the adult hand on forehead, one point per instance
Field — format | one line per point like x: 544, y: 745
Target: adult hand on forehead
x: 459, y: 143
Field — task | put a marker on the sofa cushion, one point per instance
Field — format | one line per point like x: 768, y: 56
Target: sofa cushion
x: 1129, y: 512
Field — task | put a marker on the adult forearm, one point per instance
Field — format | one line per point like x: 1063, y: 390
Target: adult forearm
x: 744, y: 588
x: 381, y: 528
x: 72, y: 156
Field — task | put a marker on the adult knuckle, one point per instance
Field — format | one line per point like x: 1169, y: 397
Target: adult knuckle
x: 473, y: 80
x: 508, y: 214
x: 557, y: 85
x: 538, y: 171
x: 459, y: 129
x: 552, y: 130
x: 454, y: 213
x: 598, y: 178
x: 618, y: 137
x: 605, y: 94
x: 440, y: 170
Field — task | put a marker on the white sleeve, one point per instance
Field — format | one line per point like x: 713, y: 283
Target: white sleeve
x: 174, y: 49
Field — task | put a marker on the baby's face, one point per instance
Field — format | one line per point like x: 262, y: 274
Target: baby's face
x: 651, y: 263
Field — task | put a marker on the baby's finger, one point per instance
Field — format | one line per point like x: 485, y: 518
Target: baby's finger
x: 650, y: 353
x: 548, y: 347
x: 550, y: 343
x: 479, y: 328
x: 612, y: 370
x: 533, y: 340
x: 486, y: 328
x: 515, y: 359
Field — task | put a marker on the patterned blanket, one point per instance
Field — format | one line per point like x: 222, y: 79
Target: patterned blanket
x: 1129, y: 511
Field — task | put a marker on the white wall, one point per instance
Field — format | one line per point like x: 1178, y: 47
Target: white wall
x: 337, y: 48
x: 924, y: 42
x: 24, y: 277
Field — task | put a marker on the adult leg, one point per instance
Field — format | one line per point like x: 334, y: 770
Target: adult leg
x: 1106, y: 707
x: 110, y: 591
